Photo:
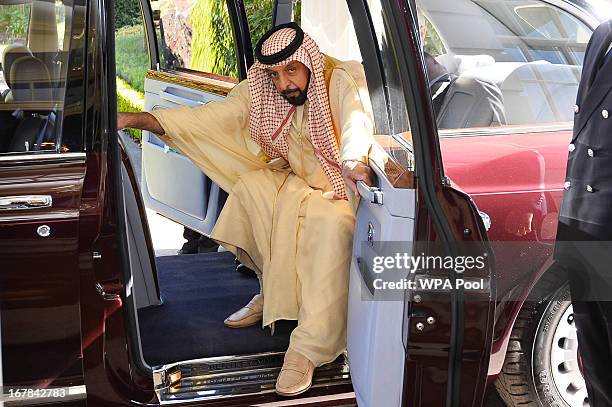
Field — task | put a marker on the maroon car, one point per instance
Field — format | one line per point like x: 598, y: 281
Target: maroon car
x: 470, y: 164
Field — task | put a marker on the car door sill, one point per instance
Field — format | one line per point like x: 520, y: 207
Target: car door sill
x: 234, y: 376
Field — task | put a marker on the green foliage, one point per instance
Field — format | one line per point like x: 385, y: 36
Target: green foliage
x: 212, y: 43
x: 297, y: 11
x: 127, y: 13
x: 212, y: 48
x: 129, y: 100
x: 131, y: 55
x: 259, y: 16
x: 13, y: 22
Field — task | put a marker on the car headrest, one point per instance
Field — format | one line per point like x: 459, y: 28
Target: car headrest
x: 10, y: 54
x: 30, y: 80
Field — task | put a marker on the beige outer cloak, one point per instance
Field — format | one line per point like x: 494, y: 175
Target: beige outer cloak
x: 278, y: 219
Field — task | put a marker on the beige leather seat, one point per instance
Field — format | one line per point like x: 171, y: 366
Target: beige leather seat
x: 30, y: 81
x: 9, y: 56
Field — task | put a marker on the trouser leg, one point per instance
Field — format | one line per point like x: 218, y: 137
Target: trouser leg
x: 325, y: 235
x: 191, y: 245
x: 593, y: 317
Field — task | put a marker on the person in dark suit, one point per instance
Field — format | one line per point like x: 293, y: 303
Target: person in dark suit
x: 584, y: 236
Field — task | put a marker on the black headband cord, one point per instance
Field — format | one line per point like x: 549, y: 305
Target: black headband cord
x: 285, y: 52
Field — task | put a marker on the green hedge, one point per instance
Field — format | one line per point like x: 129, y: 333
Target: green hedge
x: 129, y: 100
x: 127, y: 13
x: 132, y: 56
x: 13, y: 22
x: 212, y: 48
x: 212, y: 44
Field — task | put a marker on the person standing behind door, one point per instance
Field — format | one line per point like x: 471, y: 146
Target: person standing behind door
x: 584, y: 237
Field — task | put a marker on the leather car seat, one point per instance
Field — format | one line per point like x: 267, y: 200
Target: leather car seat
x: 30, y: 82
x: 10, y: 54
x: 470, y: 102
x: 540, y: 92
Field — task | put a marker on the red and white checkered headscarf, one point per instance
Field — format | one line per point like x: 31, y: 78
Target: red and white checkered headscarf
x: 271, y: 113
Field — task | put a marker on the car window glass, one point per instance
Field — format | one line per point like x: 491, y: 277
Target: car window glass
x: 259, y: 18
x: 196, y: 35
x: 506, y: 63
x: 131, y: 60
x: 34, y: 39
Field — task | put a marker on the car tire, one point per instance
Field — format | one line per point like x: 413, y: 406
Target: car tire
x: 541, y: 366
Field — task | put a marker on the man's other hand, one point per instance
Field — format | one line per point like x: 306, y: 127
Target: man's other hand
x: 121, y: 121
x: 142, y: 120
x: 353, y: 171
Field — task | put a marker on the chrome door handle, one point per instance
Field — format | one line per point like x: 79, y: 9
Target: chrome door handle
x: 180, y: 100
x: 11, y: 203
x: 372, y: 194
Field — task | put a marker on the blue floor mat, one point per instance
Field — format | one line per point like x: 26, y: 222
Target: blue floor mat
x: 198, y: 292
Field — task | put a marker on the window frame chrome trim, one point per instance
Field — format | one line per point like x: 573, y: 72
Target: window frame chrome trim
x: 504, y: 130
x: 53, y: 156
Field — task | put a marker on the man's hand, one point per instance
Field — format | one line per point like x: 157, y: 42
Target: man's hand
x: 143, y: 121
x: 353, y: 171
x: 122, y: 121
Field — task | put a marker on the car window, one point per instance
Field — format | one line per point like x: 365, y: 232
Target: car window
x: 196, y: 35
x: 506, y: 63
x: 34, y: 39
x: 131, y: 59
x: 332, y: 28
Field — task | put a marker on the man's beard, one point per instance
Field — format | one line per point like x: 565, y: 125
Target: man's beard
x: 301, y: 97
x: 298, y: 100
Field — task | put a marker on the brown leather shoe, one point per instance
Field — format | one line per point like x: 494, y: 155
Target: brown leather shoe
x: 295, y: 376
x: 248, y: 315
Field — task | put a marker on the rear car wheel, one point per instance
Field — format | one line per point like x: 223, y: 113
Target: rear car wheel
x: 542, y: 365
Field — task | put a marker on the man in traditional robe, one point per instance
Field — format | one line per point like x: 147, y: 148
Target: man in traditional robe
x: 285, y: 143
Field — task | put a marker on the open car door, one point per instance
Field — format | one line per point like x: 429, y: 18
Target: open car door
x: 188, y: 73
x: 410, y: 344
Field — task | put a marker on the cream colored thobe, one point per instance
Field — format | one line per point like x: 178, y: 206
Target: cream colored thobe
x: 278, y: 218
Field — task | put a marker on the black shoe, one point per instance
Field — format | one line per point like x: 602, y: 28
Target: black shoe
x: 189, y: 248
x: 241, y: 268
x: 207, y: 245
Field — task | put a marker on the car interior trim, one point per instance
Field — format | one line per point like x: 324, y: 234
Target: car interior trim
x: 214, y: 84
x: 208, y: 379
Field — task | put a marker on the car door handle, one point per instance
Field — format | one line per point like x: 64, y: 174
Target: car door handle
x: 372, y: 194
x: 180, y: 100
x: 11, y: 203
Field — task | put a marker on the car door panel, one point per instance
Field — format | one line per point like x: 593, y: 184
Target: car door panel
x: 374, y: 336
x: 171, y: 184
x: 39, y: 300
x: 445, y: 351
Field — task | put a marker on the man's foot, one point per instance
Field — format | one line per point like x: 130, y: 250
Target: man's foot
x: 189, y: 247
x: 248, y: 315
x: 241, y: 268
x: 295, y: 376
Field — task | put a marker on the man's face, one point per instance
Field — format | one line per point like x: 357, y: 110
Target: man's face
x: 291, y: 81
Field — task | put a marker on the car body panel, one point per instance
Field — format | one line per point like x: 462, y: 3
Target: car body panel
x: 40, y: 299
x: 509, y: 176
